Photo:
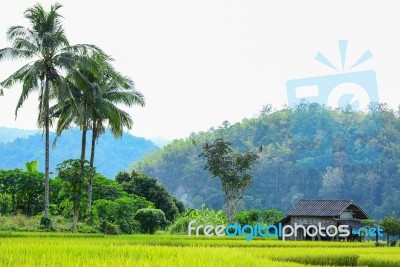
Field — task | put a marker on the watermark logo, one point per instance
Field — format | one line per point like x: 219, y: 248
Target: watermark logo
x: 356, y: 89
x: 346, y: 89
x: 283, y: 232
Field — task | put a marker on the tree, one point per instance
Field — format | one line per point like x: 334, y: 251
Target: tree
x: 232, y: 168
x: 391, y: 226
x: 47, y: 48
x: 144, y: 186
x: 120, y: 212
x: 151, y: 220
x: 332, y: 183
x: 21, y: 192
x: 75, y: 182
x: 97, y: 92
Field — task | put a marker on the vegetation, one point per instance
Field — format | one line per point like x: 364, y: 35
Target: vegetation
x: 28, y: 249
x: 308, y: 152
x: 151, y: 220
x: 79, y: 79
x: 147, y: 187
x: 74, y: 174
x: 115, y: 210
x: 112, y: 155
x: 47, y: 48
x: 254, y: 216
x: 391, y: 226
x: 232, y: 168
x: 203, y: 216
x: 93, y: 102
x: 304, y: 151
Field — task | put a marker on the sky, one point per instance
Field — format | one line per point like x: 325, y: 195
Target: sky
x: 199, y: 63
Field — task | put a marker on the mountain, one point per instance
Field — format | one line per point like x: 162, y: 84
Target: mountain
x: 307, y: 152
x: 10, y: 134
x: 112, y: 155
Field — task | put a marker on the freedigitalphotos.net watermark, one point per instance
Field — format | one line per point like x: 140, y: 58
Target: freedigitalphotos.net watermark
x: 281, y: 231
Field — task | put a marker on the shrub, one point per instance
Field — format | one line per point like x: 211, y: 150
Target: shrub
x: 151, y: 220
x: 202, y: 216
x: 87, y: 229
x: 255, y: 216
x: 249, y: 217
x: 180, y: 226
x: 121, y: 212
x: 109, y: 228
x: 129, y: 226
x: 47, y: 224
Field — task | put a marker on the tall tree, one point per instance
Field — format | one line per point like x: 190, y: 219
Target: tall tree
x: 113, y: 91
x: 50, y: 55
x: 94, y: 104
x: 332, y: 183
x: 233, y: 168
x: 70, y: 172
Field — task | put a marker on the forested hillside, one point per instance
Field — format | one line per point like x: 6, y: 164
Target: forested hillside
x: 112, y: 155
x: 10, y: 134
x: 307, y: 152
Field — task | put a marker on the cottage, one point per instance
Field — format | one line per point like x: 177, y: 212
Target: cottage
x: 325, y: 212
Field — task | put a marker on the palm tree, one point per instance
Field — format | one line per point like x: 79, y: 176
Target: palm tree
x: 46, y: 46
x: 114, y: 92
x: 97, y: 92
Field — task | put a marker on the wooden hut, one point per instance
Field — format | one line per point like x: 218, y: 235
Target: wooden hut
x: 327, y: 212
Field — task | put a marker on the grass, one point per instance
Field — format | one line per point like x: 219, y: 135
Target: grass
x: 64, y: 249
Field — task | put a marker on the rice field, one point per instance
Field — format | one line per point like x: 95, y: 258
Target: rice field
x: 61, y: 249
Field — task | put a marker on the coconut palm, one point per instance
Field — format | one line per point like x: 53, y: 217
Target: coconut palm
x: 94, y: 105
x: 50, y: 55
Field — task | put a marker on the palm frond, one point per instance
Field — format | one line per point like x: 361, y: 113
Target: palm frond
x: 13, y: 53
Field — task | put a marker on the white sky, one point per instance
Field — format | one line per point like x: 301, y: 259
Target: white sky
x: 199, y: 63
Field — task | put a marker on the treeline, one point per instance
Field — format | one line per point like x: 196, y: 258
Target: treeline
x: 308, y: 151
x: 132, y: 203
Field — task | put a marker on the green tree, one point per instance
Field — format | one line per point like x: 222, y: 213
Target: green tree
x: 151, y: 220
x: 144, y: 186
x: 332, y: 183
x: 391, y: 226
x: 94, y: 103
x: 75, y: 182
x: 120, y: 212
x: 21, y: 192
x: 50, y: 55
x: 232, y: 168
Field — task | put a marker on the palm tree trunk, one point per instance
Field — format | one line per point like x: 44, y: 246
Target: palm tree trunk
x: 75, y: 219
x: 47, y: 153
x: 93, y: 148
x: 92, y: 151
x: 83, y: 148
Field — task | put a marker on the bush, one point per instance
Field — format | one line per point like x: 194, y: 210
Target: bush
x: 87, y: 229
x: 151, y: 220
x: 249, y: 217
x: 47, y: 224
x: 255, y: 216
x: 109, y: 228
x: 180, y: 226
x: 121, y: 212
x: 203, y: 216
x: 129, y: 226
